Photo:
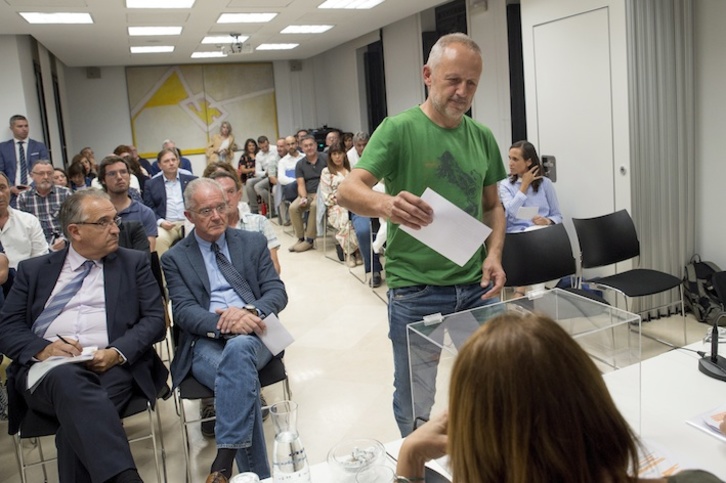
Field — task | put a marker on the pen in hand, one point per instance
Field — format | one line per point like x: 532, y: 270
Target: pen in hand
x: 68, y: 342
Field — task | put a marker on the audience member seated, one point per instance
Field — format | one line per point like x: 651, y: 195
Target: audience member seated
x: 43, y: 200
x: 60, y: 177
x: 90, y: 164
x: 527, y: 187
x: 99, y: 295
x: 164, y: 195
x: 338, y: 217
x: 307, y: 176
x: 222, y: 283
x: 259, y: 185
x: 527, y: 404
x: 360, y: 141
x: 20, y: 233
x: 247, y: 160
x: 286, y: 178
x: 347, y: 141
x: 268, y: 187
x: 114, y: 175
x: 333, y: 137
x: 143, y: 162
x: 77, y: 176
x: 138, y: 176
x: 185, y: 166
x: 239, y: 215
x: 221, y: 147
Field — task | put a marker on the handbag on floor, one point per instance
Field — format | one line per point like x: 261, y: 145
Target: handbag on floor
x: 699, y: 296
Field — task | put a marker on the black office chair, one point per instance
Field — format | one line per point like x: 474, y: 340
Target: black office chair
x: 538, y: 256
x: 37, y: 425
x: 612, y: 238
x: 192, y: 389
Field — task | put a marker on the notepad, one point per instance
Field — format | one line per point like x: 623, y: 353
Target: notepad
x: 40, y: 369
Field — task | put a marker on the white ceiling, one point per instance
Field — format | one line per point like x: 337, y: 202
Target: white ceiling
x: 106, y: 41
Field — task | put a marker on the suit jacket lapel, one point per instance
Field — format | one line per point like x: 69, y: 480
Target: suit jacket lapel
x: 196, y: 262
x: 111, y: 288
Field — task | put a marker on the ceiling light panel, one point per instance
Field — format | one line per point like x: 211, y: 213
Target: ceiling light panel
x: 358, y: 4
x: 276, y: 46
x: 224, y: 39
x: 141, y: 31
x: 159, y: 3
x: 207, y: 55
x: 152, y: 49
x: 56, y: 18
x: 306, y: 29
x: 246, y: 17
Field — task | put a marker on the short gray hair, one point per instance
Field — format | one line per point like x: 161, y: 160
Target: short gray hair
x: 71, y: 211
x: 195, y: 186
x: 437, y: 51
x: 361, y: 136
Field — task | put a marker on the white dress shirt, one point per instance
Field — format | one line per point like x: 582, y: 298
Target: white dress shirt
x: 22, y: 237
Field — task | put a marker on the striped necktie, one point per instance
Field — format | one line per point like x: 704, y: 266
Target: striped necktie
x: 60, y: 300
x: 235, y: 279
x: 23, y: 164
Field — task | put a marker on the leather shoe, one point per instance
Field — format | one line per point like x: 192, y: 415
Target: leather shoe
x: 217, y: 477
x: 376, y: 280
x: 292, y: 248
x: 303, y: 246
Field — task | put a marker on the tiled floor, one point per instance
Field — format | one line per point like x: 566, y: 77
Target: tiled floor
x: 340, y: 370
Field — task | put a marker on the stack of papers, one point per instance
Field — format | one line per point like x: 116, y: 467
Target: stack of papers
x: 40, y: 369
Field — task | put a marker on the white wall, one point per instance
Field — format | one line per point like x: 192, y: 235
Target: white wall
x: 98, y: 110
x: 710, y: 70
x: 17, y: 85
x: 403, y: 63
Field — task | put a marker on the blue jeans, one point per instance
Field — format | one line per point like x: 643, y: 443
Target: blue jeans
x: 407, y: 305
x: 230, y: 367
x: 362, y: 227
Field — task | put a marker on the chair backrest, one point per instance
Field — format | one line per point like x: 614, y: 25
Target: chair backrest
x: 607, y: 239
x: 537, y: 256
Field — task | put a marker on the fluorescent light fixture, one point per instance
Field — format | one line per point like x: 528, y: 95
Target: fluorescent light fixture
x: 159, y: 3
x: 306, y: 29
x: 134, y: 31
x: 276, y: 46
x: 246, y: 17
x: 359, y: 4
x: 152, y: 49
x: 56, y: 17
x: 224, y: 39
x: 206, y: 55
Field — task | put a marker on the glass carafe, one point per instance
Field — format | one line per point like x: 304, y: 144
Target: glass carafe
x: 289, y: 462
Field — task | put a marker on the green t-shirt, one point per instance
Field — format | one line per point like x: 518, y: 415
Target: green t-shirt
x: 412, y: 153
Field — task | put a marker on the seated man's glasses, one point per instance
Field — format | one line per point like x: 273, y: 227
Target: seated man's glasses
x: 207, y: 212
x: 103, y: 223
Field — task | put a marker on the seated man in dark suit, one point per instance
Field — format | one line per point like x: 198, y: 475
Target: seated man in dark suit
x: 89, y: 294
x: 165, y: 196
x: 222, y: 283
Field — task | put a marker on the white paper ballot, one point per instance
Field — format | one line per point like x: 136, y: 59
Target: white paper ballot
x: 454, y: 233
x: 276, y: 337
x: 527, y: 212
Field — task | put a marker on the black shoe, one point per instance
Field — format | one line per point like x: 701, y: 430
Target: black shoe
x: 339, y: 250
x: 207, y: 411
x: 376, y: 280
x: 265, y: 409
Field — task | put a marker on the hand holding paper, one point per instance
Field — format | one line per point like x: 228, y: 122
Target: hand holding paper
x: 453, y: 232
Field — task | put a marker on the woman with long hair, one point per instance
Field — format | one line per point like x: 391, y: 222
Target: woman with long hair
x: 332, y: 175
x: 528, y: 187
x: 221, y: 146
x: 528, y: 405
x: 246, y: 164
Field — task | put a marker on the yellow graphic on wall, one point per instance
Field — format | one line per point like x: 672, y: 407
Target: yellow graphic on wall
x: 189, y: 103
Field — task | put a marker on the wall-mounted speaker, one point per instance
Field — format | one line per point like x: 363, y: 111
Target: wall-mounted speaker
x: 93, y: 72
x: 295, y: 66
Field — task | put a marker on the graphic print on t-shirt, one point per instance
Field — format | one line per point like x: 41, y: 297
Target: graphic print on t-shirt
x: 451, y: 171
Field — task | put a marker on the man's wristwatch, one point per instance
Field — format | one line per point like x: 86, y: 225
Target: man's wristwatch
x: 252, y: 309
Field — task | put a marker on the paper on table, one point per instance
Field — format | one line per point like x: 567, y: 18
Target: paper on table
x: 454, y: 233
x: 527, y: 212
x: 709, y: 422
x: 38, y: 370
x: 276, y: 337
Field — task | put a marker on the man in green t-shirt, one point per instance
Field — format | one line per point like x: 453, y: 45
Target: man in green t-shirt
x: 432, y: 145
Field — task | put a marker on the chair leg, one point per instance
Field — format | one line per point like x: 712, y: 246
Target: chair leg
x: 185, y: 437
x: 152, y: 430
x: 683, y: 316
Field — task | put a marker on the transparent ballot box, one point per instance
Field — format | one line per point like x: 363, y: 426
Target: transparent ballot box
x: 610, y: 336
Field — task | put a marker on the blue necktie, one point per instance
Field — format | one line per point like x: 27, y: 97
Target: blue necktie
x: 23, y: 164
x: 60, y: 300
x: 235, y: 279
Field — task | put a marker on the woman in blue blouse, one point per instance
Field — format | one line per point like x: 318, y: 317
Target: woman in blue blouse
x: 527, y: 187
